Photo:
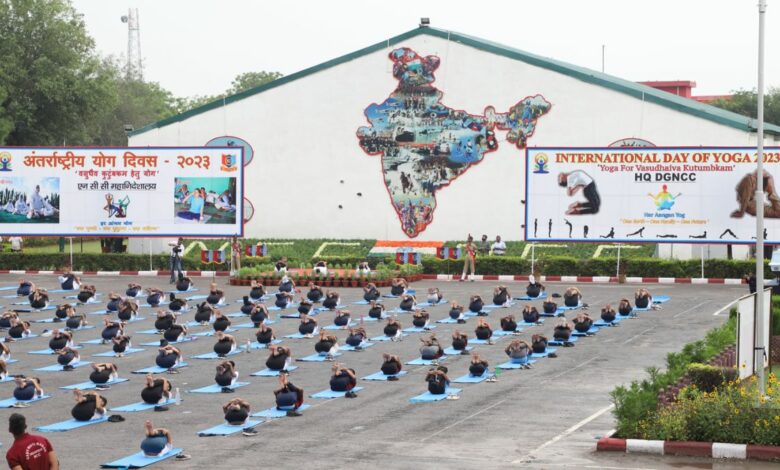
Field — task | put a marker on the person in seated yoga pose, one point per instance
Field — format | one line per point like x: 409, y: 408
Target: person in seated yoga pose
x: 68, y: 358
x: 304, y: 306
x: 624, y: 307
x: 127, y: 310
x: 133, y: 290
x: 501, y: 296
x: 408, y: 303
x: 437, y: 380
x: 357, y: 338
x: 264, y: 334
x: 39, y: 299
x: 25, y: 288
x: 164, y: 320
x: 288, y: 397
x: 398, y: 286
x: 19, y: 329
x: 27, y: 388
x: 549, y: 307
x: 342, y: 318
x: 221, y: 322
x: 225, y: 344
x: 286, y: 284
x: 530, y: 314
x: 562, y: 329
x: 519, y: 352
x: 434, y: 296
x: 370, y: 292
x: 154, y: 297
x: 248, y: 305
x: 120, y: 344
x: 478, y: 366
x: 430, y: 350
x: 7, y: 318
x: 103, y: 372
x: 176, y: 304
x: 63, y: 311
x: 307, y: 326
x: 204, y: 313
x: 157, y: 441
x: 183, y: 283
x: 236, y: 411
x: 391, y: 365
x: 642, y: 298
x: 483, y: 331
x: 281, y: 265
x: 331, y: 300
x: 283, y: 299
x: 5, y: 352
x: 572, y: 297
x: 59, y: 340
x: 420, y: 319
x: 215, y: 296
x: 89, y: 406
x: 343, y: 379
x: 175, y: 333
x: 457, y: 312
x: 227, y: 375
x: 582, y: 322
x: 75, y: 320
x: 608, y: 313
x: 87, y: 293
x: 156, y: 390
x: 364, y: 268
x: 320, y: 268
x: 376, y: 310
x: 538, y: 344
x: 3, y: 370
x: 327, y: 345
x: 168, y: 357
x: 256, y: 290
x: 460, y: 341
x: 315, y: 293
x: 476, y: 303
x: 509, y: 324
x: 533, y: 289
x: 113, y: 301
x: 69, y: 281
x: 392, y: 329
x: 279, y: 358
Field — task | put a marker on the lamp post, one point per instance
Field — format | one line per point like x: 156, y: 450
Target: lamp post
x: 760, y: 348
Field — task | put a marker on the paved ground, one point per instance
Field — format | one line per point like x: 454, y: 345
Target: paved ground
x: 547, y: 417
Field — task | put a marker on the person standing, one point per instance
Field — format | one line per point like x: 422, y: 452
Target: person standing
x: 499, y: 246
x: 16, y: 244
x: 469, y: 259
x: 177, y: 249
x: 29, y: 452
x: 751, y: 282
x: 483, y: 247
x: 235, y: 255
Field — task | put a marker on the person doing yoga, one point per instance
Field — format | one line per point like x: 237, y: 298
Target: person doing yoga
x: 215, y: 296
x: 68, y: 358
x: 357, y: 338
x: 437, y: 380
x: 281, y: 265
x: 226, y: 375
x: 392, y: 329
x: 133, y: 290
x: 204, y: 314
x: 225, y: 344
x: 572, y: 297
x: 120, y: 345
x: 582, y: 322
x: 562, y: 329
x: 370, y: 292
x: 575, y: 181
x: 376, y: 310
x: 25, y: 288
x: 69, y: 281
x: 168, y: 357
x: 304, y: 306
x: 530, y: 314
x: 624, y: 307
x: 221, y: 322
x: 127, y: 310
x: 509, y: 324
x: 103, y: 372
x: 256, y: 290
x: 89, y: 406
x: 327, y: 345
x: 478, y: 366
x: 59, y: 340
x: 408, y: 303
x: 286, y: 284
x: 176, y: 304
x: 157, y: 441
x: 434, y: 296
x: 391, y: 366
x: 475, y: 304
x: 460, y: 341
x: 343, y: 379
x: 279, y: 358
x: 519, y: 352
x: 501, y: 296
x: 398, y: 286
x: 533, y: 289
x: 342, y: 318
x: 175, y: 333
x: 608, y: 313
x: 331, y: 300
x: 27, y: 388
x: 164, y: 320
x: 457, y: 312
x: 264, y: 334
x: 483, y: 331
x: 288, y: 397
x: 642, y: 298
x: 430, y: 350
x: 39, y: 299
x: 88, y: 292
x: 19, y: 329
x: 183, y: 283
x: 113, y: 301
x: 420, y: 319
x: 154, y: 296
x: 538, y: 344
x: 157, y: 390
x: 315, y: 293
x: 236, y: 411
x: 308, y: 326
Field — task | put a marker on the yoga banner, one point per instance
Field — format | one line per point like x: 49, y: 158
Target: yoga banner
x: 127, y: 192
x: 658, y: 194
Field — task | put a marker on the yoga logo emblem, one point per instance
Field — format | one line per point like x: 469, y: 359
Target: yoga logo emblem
x: 5, y: 161
x: 540, y: 163
x: 229, y: 162
x: 664, y: 200
x: 116, y: 208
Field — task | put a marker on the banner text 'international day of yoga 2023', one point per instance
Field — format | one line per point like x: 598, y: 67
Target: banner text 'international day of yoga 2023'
x: 659, y: 194
x: 134, y: 191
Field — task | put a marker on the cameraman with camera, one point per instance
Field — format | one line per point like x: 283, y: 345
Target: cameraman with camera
x: 177, y: 249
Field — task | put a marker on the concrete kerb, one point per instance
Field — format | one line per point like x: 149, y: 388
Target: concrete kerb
x: 716, y: 450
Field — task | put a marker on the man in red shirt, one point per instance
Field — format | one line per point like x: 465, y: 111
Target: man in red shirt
x: 29, y: 452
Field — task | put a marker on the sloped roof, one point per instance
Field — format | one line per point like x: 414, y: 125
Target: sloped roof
x: 628, y: 87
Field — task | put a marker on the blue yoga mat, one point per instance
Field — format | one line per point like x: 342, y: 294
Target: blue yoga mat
x: 347, y: 347
x: 542, y: 296
x: 555, y: 342
x: 128, y: 351
x: 483, y: 341
x: 271, y: 373
x: 228, y: 429
x: 429, y: 305
x: 564, y: 308
x: 59, y: 291
x: 522, y: 323
x: 23, y: 338
x: 428, y: 396
x: 471, y: 379
x: 177, y: 291
x: 213, y: 355
x: 11, y: 361
x: 94, y: 341
x: 274, y: 413
x: 46, y: 352
x: 46, y: 320
x: 194, y: 324
x: 415, y: 329
x: 660, y: 299
x: 249, y: 325
x: 323, y: 309
x: 401, y: 311
x: 139, y: 460
x: 336, y: 327
x: 425, y: 362
x: 493, y: 306
x: 546, y: 353
x: 274, y: 308
x: 367, y: 318
x: 256, y: 345
x: 140, y: 406
x: 186, y: 339
x: 300, y: 336
x: 212, y: 332
x: 316, y: 358
x: 198, y: 297
x: 332, y: 394
x: 641, y: 309
x: 97, y: 294
x: 380, y: 339
x: 161, y: 304
x: 237, y: 315
x: 507, y: 333
x: 447, y: 320
x: 10, y: 402
x: 151, y: 331
x: 593, y: 330
x: 90, y: 385
x: 9, y: 288
x: 81, y: 328
x: 9, y: 296
x: 454, y: 352
x: 359, y: 302
x: 214, y: 388
x: 98, y: 312
x: 7, y: 378
x: 70, y: 424
x: 158, y: 370
x: 512, y: 365
x: 380, y: 376
x: 58, y: 368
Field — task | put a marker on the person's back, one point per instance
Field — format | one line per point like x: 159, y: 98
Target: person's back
x: 29, y: 452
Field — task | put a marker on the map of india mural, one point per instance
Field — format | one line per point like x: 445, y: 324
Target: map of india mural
x: 426, y: 145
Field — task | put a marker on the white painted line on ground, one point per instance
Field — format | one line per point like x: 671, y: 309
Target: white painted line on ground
x: 692, y: 308
x: 565, y: 433
x: 638, y: 335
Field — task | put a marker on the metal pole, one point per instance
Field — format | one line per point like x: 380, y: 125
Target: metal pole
x: 151, y: 265
x: 533, y: 256
x: 603, y: 46
x: 71, y: 253
x: 702, y: 261
x: 760, y: 347
x: 617, y: 268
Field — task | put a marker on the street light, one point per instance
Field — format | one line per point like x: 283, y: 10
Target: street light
x: 760, y: 347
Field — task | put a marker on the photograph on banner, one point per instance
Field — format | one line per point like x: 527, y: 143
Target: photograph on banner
x: 205, y: 200
x: 76, y: 191
x: 30, y: 200
x: 660, y: 194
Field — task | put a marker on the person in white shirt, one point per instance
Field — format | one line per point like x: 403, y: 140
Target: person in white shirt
x: 498, y: 247
x: 36, y: 204
x: 21, y: 206
x: 16, y: 243
x: 579, y: 180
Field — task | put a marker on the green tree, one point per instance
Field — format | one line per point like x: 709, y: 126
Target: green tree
x: 55, y: 86
x: 242, y: 82
x: 744, y: 102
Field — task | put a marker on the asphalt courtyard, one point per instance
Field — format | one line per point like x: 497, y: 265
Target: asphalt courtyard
x: 547, y: 417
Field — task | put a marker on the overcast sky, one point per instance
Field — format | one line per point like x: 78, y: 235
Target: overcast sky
x: 196, y: 47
